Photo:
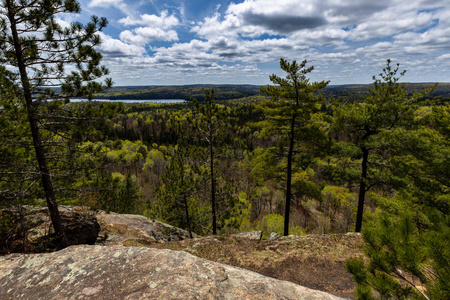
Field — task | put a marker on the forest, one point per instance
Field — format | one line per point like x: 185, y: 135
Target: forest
x: 290, y: 159
x: 216, y: 167
x: 346, y: 92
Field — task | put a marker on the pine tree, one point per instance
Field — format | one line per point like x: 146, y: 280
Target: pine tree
x: 32, y: 41
x: 211, y: 127
x: 15, y: 168
x: 293, y: 101
x: 182, y: 179
x: 407, y: 243
x: 406, y: 259
x: 180, y: 184
x: 365, y: 125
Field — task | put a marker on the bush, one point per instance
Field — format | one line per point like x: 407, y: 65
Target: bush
x: 406, y: 260
x: 275, y: 223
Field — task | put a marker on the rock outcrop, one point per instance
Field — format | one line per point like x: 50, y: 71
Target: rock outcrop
x: 137, y: 230
x: 273, y: 236
x: 117, y: 272
x: 29, y: 229
x: 253, y: 235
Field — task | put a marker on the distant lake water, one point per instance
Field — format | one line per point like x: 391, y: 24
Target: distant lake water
x: 133, y: 101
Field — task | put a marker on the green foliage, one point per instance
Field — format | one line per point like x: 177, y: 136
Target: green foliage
x: 177, y: 195
x: 271, y: 223
x: 129, y: 152
x: 368, y: 127
x: 407, y: 244
x: 223, y: 92
x: 336, y: 197
x: 114, y: 192
x: 303, y: 185
x: 265, y: 165
x: 15, y: 140
x: 77, y: 42
x: 293, y: 102
x: 40, y: 50
x: 239, y: 215
x: 153, y: 158
x: 405, y: 260
x: 211, y: 124
x: 275, y: 223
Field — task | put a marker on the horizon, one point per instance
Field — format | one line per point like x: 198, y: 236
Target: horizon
x: 177, y: 42
x: 234, y: 84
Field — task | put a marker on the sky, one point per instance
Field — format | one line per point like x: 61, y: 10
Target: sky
x: 177, y: 42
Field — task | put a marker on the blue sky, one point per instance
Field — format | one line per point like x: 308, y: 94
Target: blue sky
x: 155, y: 42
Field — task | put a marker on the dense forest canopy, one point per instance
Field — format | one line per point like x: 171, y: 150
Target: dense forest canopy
x: 351, y: 92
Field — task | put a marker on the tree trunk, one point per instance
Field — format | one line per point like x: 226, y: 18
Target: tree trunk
x: 287, y: 209
x: 37, y: 140
x: 213, y: 189
x: 186, y: 208
x: 188, y: 220
x: 362, y: 189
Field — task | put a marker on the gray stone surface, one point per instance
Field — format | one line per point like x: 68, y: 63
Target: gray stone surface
x: 117, y: 272
x: 123, y: 227
x: 253, y: 235
x: 273, y: 236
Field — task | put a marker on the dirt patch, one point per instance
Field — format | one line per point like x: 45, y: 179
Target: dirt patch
x: 314, y: 261
x: 312, y: 272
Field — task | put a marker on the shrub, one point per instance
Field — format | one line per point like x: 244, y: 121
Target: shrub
x: 275, y: 223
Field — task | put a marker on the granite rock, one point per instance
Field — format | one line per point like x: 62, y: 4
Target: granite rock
x: 117, y: 272
x: 123, y: 228
x: 253, y: 235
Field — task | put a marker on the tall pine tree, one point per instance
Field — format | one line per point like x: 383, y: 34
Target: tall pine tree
x: 293, y: 101
x: 32, y: 41
x: 365, y: 126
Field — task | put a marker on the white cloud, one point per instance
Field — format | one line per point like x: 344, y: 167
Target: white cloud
x: 212, y: 26
x: 63, y: 23
x: 344, y: 39
x: 444, y: 57
x: 163, y: 21
x: 115, y: 48
x: 119, y: 4
x: 128, y: 37
x: 389, y: 22
x: 292, y: 7
x: 156, y: 34
x: 388, y: 28
x: 105, y: 3
x: 157, y: 28
x: 430, y: 39
x: 318, y: 22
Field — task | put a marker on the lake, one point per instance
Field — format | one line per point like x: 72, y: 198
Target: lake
x: 134, y: 101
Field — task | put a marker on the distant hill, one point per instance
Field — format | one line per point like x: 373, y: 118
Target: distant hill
x: 222, y: 92
x: 348, y: 92
x: 355, y: 92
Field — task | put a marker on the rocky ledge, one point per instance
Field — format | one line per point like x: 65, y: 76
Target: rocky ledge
x: 136, y: 230
x: 29, y: 229
x: 117, y: 272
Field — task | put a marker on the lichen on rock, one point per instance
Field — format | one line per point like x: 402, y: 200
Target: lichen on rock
x: 117, y: 272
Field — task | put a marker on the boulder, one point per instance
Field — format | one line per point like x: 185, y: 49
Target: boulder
x: 80, y: 228
x: 117, y: 272
x: 127, y: 228
x: 27, y: 228
x: 253, y: 235
x: 273, y: 236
